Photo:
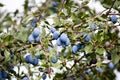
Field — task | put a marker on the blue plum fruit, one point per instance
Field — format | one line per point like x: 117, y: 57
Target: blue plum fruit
x: 37, y: 39
x: 29, y: 59
x: 52, y: 29
x: 0, y: 74
x: 54, y: 4
x: 113, y: 18
x: 66, y: 52
x: 74, y: 49
x: 31, y: 38
x: 111, y: 65
x: 93, y: 26
x: 56, y: 35
x: 12, y: 56
x: 59, y: 43
x: 87, y: 38
x: 80, y: 46
x: 11, y: 68
x: 4, y: 74
x: 54, y: 59
x: 38, y: 57
x: 33, y: 22
x: 36, y: 32
x: 34, y: 19
x: 35, y: 61
x: 100, y: 70
x: 67, y: 43
x: 44, y: 76
x: 25, y: 78
x: 63, y: 37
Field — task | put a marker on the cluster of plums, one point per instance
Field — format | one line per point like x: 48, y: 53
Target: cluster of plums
x: 34, y: 37
x: 77, y: 47
x: 62, y: 40
x: 31, y: 60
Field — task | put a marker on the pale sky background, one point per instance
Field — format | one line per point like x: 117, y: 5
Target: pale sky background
x: 12, y: 5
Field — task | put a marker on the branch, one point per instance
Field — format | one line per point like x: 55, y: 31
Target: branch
x: 111, y: 7
x: 114, y: 14
x: 89, y: 67
x: 75, y: 62
x: 25, y: 47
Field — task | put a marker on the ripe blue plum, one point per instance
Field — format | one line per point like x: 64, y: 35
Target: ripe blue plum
x: 44, y: 76
x: 0, y: 74
x: 59, y: 43
x: 38, y: 57
x: 56, y: 35
x: 31, y: 38
x: 54, y: 4
x: 12, y: 56
x: 52, y: 29
x: 88, y: 71
x: 37, y: 39
x: 25, y: 78
x: 113, y: 18
x: 33, y: 22
x: 74, y: 49
x: 87, y: 38
x: 66, y: 52
x: 4, y: 74
x: 111, y: 65
x: 29, y: 59
x: 35, y: 61
x: 54, y: 59
x: 63, y: 37
x: 36, y: 32
x: 80, y: 46
x: 93, y: 26
x: 100, y: 70
x: 67, y: 43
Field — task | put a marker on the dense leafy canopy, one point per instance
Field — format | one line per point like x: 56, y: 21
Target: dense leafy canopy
x: 64, y: 35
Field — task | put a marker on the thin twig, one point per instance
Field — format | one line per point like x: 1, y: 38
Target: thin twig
x: 111, y: 7
x: 114, y: 14
x: 75, y: 62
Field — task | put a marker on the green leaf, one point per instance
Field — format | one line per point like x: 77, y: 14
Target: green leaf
x: 1, y: 5
x: 8, y: 38
x: 100, y: 50
x: 7, y: 55
x: 58, y: 75
x: 115, y: 58
x: 88, y: 48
